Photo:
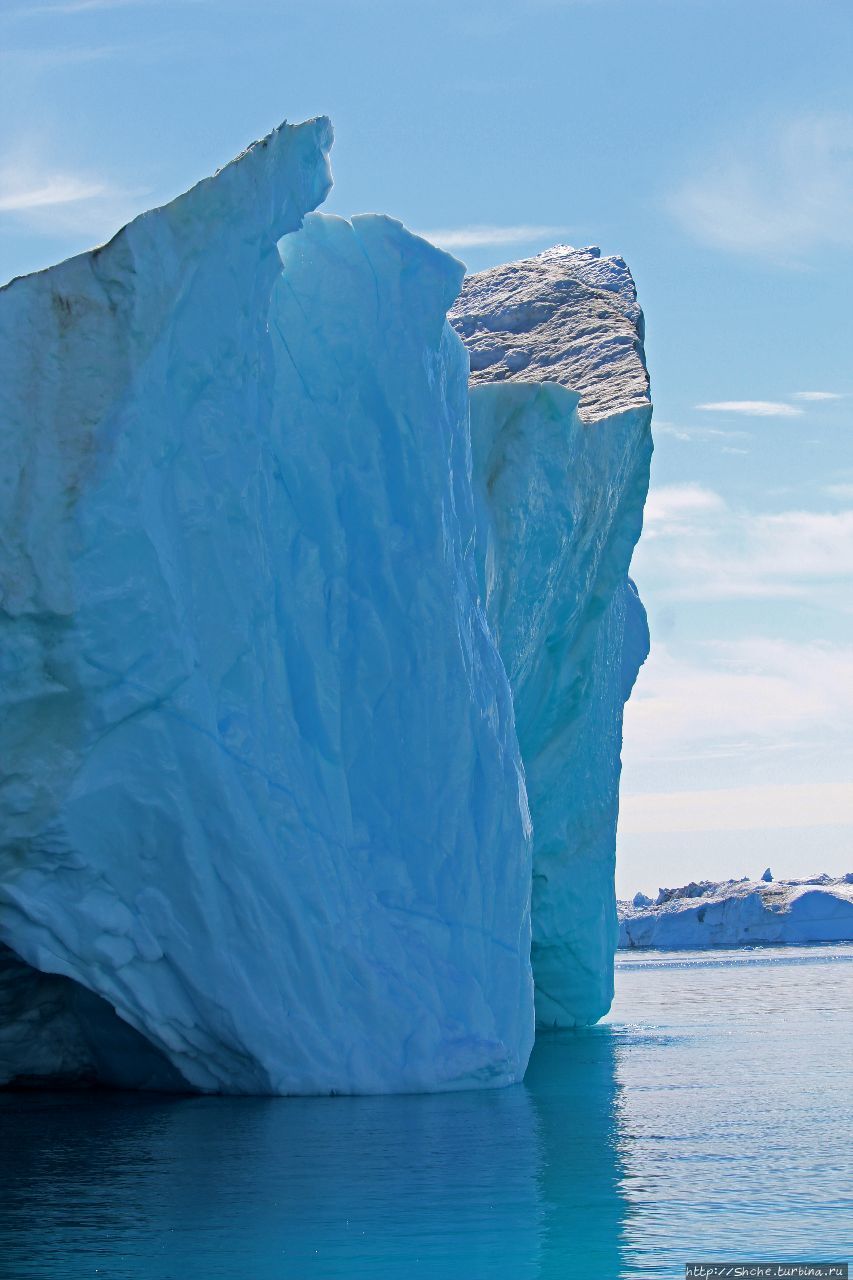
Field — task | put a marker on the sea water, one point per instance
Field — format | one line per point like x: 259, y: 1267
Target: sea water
x: 709, y: 1117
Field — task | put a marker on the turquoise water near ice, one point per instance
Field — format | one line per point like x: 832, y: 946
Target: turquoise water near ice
x: 710, y: 1117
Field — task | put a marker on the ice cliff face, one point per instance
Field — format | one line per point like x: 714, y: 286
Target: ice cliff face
x: 262, y: 792
x: 271, y: 583
x: 561, y: 477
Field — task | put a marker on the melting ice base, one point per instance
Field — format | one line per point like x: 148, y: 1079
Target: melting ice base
x: 259, y: 607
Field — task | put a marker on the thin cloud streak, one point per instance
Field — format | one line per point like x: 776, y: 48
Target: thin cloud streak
x: 752, y: 408
x: 698, y: 435
x: 481, y: 236
x: 54, y: 202
x: 818, y: 395
x: 57, y: 190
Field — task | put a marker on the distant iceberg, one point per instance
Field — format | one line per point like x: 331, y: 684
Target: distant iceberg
x: 281, y: 642
x: 736, y: 913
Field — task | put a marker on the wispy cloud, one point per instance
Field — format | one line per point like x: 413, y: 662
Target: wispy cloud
x: 743, y: 697
x: 752, y: 408
x: 782, y: 191
x: 698, y: 435
x: 59, y: 202
x: 770, y: 720
x: 818, y: 395
x: 671, y: 504
x: 482, y: 235
x: 59, y: 189
x: 695, y: 546
x: 842, y: 491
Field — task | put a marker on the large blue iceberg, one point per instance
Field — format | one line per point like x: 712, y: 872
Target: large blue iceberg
x: 279, y: 647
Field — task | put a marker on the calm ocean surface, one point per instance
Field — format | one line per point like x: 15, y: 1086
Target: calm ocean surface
x: 710, y: 1117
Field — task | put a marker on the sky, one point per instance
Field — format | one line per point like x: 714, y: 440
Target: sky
x: 710, y: 142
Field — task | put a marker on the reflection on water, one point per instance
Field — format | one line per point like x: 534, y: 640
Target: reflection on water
x: 706, y: 1118
x: 572, y: 1082
x: 208, y: 1187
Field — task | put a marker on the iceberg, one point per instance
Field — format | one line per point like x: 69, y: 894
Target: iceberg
x: 266, y: 799
x: 737, y: 913
x: 293, y: 623
x: 561, y: 477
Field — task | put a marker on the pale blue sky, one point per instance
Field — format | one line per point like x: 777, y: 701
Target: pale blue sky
x: 708, y: 141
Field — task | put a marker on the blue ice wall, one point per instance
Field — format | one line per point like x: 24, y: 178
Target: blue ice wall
x: 263, y: 793
x: 560, y: 504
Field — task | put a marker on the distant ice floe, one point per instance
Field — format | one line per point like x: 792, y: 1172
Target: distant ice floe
x: 733, y: 913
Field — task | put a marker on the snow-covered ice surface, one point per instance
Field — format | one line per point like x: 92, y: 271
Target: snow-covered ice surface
x: 266, y: 800
x: 566, y: 315
x: 735, y: 913
x: 561, y: 477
